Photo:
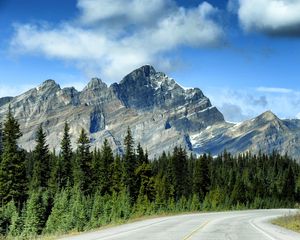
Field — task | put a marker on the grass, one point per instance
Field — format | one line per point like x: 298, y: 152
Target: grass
x: 291, y: 222
x: 114, y: 224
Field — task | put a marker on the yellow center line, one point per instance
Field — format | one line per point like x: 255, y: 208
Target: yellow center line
x: 187, y: 237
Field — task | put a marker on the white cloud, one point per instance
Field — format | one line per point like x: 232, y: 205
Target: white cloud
x: 239, y: 105
x: 274, y: 17
x: 274, y: 90
x: 133, y: 11
x: 96, y: 45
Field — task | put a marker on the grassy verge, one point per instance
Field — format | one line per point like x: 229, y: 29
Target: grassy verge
x: 113, y: 224
x: 291, y: 222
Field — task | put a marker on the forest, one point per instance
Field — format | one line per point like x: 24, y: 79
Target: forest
x: 46, y: 192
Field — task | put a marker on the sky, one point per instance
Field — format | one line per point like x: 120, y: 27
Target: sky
x: 243, y: 54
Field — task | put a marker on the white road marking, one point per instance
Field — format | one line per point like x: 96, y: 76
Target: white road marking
x: 261, y: 230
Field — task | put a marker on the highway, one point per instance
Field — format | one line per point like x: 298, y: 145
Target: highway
x: 234, y: 225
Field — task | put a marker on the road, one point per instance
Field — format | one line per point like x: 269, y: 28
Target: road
x: 236, y: 225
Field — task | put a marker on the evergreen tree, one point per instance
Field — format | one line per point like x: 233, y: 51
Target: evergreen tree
x: 117, y: 169
x: 13, y: 183
x: 96, y: 168
x: 121, y: 208
x: 82, y: 169
x: 201, y: 178
x: 105, y: 171
x: 35, y: 218
x: 289, y: 185
x: 105, y: 188
x: 130, y: 164
x: 65, y: 161
x: 59, y: 220
x: 10, y: 220
x: 41, y: 168
x: 146, y: 186
x: 78, y: 214
x: 53, y: 183
x: 179, y: 172
x: 141, y: 156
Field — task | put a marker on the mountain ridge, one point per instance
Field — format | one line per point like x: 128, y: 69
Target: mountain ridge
x: 160, y: 112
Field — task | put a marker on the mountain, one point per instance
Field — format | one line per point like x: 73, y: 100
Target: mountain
x: 160, y: 113
x: 265, y: 133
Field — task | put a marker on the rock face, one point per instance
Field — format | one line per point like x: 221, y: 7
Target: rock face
x: 265, y: 133
x: 5, y: 100
x: 160, y: 113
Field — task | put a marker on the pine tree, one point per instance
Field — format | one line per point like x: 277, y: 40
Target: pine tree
x: 201, y: 178
x: 121, y: 208
x: 65, y: 161
x: 78, y: 212
x: 146, y: 181
x: 41, y: 168
x: 130, y: 164
x: 179, y: 172
x: 10, y: 221
x: 96, y: 166
x: 105, y: 171
x: 141, y: 156
x: 59, y: 220
x: 289, y: 185
x: 53, y: 183
x: 13, y: 182
x: 82, y: 167
x: 117, y: 169
x: 35, y: 218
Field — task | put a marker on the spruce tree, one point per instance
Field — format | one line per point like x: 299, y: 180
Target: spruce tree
x: 146, y: 181
x: 105, y: 172
x: 35, y: 218
x: 41, y: 168
x: 53, y: 183
x: 10, y: 221
x: 60, y: 220
x: 201, y: 178
x: 96, y: 166
x: 289, y: 185
x: 13, y: 183
x: 179, y: 172
x: 65, y: 161
x: 141, y: 156
x: 82, y: 169
x: 129, y: 159
x: 117, y: 184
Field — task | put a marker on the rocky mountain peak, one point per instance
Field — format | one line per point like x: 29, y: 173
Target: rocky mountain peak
x: 146, y: 89
x: 140, y: 76
x: 145, y: 71
x: 49, y: 84
x: 95, y: 84
x: 160, y: 113
x: 268, y: 116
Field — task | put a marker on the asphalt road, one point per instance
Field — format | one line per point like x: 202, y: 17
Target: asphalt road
x: 236, y: 225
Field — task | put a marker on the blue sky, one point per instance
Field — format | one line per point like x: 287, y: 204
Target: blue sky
x: 244, y: 54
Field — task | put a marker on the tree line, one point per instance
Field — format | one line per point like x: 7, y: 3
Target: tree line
x: 42, y: 192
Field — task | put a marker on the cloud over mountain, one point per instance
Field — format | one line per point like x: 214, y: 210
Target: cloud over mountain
x: 111, y: 38
x: 273, y: 17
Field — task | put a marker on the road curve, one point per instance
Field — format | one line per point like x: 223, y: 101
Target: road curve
x: 236, y: 225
